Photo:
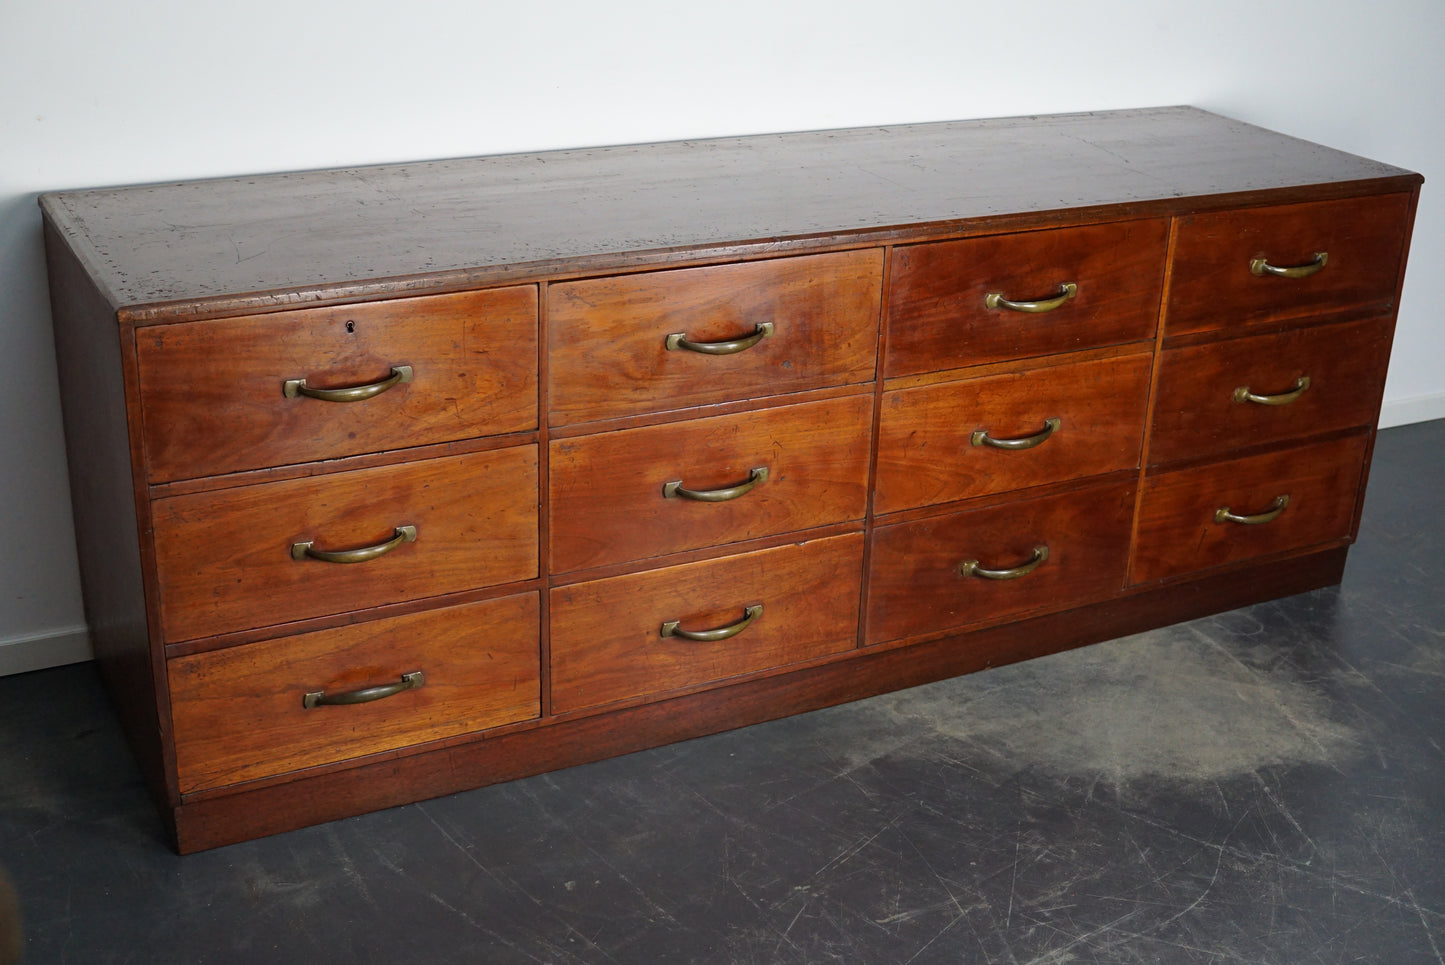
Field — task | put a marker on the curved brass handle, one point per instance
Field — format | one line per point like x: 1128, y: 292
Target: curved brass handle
x: 291, y: 388
x: 679, y: 340
x: 1261, y: 266
x: 972, y: 567
x: 1223, y: 515
x: 1242, y: 394
x: 408, y: 681
x: 982, y: 438
x: 672, y: 629
x: 404, y: 534
x: 675, y: 489
x: 1066, y: 291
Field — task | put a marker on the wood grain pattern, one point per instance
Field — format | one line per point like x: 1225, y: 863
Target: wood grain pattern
x: 605, y: 634
x: 1195, y: 414
x: 925, y: 452
x: 224, y: 563
x: 607, y: 336
x: 913, y: 582
x: 211, y: 391
x: 606, y: 497
x: 937, y: 318
x: 239, y: 715
x: 1212, y: 287
x: 1177, y: 532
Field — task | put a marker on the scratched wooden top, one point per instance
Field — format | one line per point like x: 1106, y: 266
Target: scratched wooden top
x: 233, y: 245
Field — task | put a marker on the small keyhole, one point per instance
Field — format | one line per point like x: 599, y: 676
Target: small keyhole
x: 350, y: 327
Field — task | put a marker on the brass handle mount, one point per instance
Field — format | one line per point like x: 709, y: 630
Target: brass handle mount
x: 307, y: 549
x: 1261, y: 266
x: 676, y: 490
x: 673, y: 628
x: 974, y: 568
x: 982, y: 438
x: 1223, y: 515
x: 320, y: 698
x: 292, y: 388
x: 679, y: 340
x: 1066, y: 291
x: 1242, y: 394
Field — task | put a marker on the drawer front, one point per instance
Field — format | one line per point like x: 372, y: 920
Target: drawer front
x: 224, y: 560
x: 1087, y: 418
x: 1179, y: 531
x: 916, y: 584
x: 239, y: 714
x: 609, y: 500
x: 214, y: 400
x: 939, y: 315
x: 607, y: 635
x: 1213, y: 285
x: 1306, y: 381
x: 608, y: 337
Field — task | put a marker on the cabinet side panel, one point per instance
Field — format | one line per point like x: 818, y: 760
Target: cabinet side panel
x: 88, y: 348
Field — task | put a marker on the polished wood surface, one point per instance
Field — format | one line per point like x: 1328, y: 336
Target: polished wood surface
x: 239, y: 712
x: 937, y: 312
x: 1213, y: 288
x: 211, y: 392
x: 223, y: 559
x: 606, y: 634
x: 926, y: 453
x: 607, y: 337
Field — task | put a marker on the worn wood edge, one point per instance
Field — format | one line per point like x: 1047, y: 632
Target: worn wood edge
x: 572, y: 430
x: 328, y: 796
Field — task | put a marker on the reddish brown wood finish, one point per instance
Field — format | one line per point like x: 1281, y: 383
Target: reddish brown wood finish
x: 239, y: 713
x: 607, y: 502
x: 1196, y: 414
x: 1212, y: 286
x: 1178, y: 532
x: 223, y: 559
x: 212, y: 391
x: 937, y: 317
x: 606, y: 634
x: 607, y: 336
x: 925, y: 449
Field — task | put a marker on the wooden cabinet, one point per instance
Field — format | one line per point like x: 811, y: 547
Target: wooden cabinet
x: 533, y: 460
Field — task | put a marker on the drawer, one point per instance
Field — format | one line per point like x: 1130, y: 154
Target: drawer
x: 609, y: 498
x: 1086, y: 418
x: 240, y: 713
x: 213, y: 392
x: 608, y: 638
x: 939, y: 316
x: 1306, y: 381
x: 917, y: 582
x: 224, y: 560
x: 1214, y: 284
x: 1179, y: 529
x: 608, y: 337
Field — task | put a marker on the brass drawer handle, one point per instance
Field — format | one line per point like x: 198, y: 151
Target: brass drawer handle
x: 982, y: 438
x: 1066, y: 291
x: 1223, y: 515
x: 291, y: 388
x: 972, y: 567
x: 679, y: 340
x: 319, y: 698
x: 675, y: 489
x: 1242, y: 394
x: 301, y: 551
x: 1261, y: 266
x: 672, y: 628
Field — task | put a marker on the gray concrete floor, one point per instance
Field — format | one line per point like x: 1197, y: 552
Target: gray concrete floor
x: 1267, y: 785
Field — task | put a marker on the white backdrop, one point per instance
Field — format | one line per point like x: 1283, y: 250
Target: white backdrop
x: 96, y: 93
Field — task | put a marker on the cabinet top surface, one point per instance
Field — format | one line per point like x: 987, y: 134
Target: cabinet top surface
x: 251, y: 243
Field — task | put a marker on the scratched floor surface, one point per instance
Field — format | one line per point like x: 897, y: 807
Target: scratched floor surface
x: 1264, y: 786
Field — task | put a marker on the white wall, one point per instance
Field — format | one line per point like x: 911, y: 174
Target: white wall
x: 97, y: 93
